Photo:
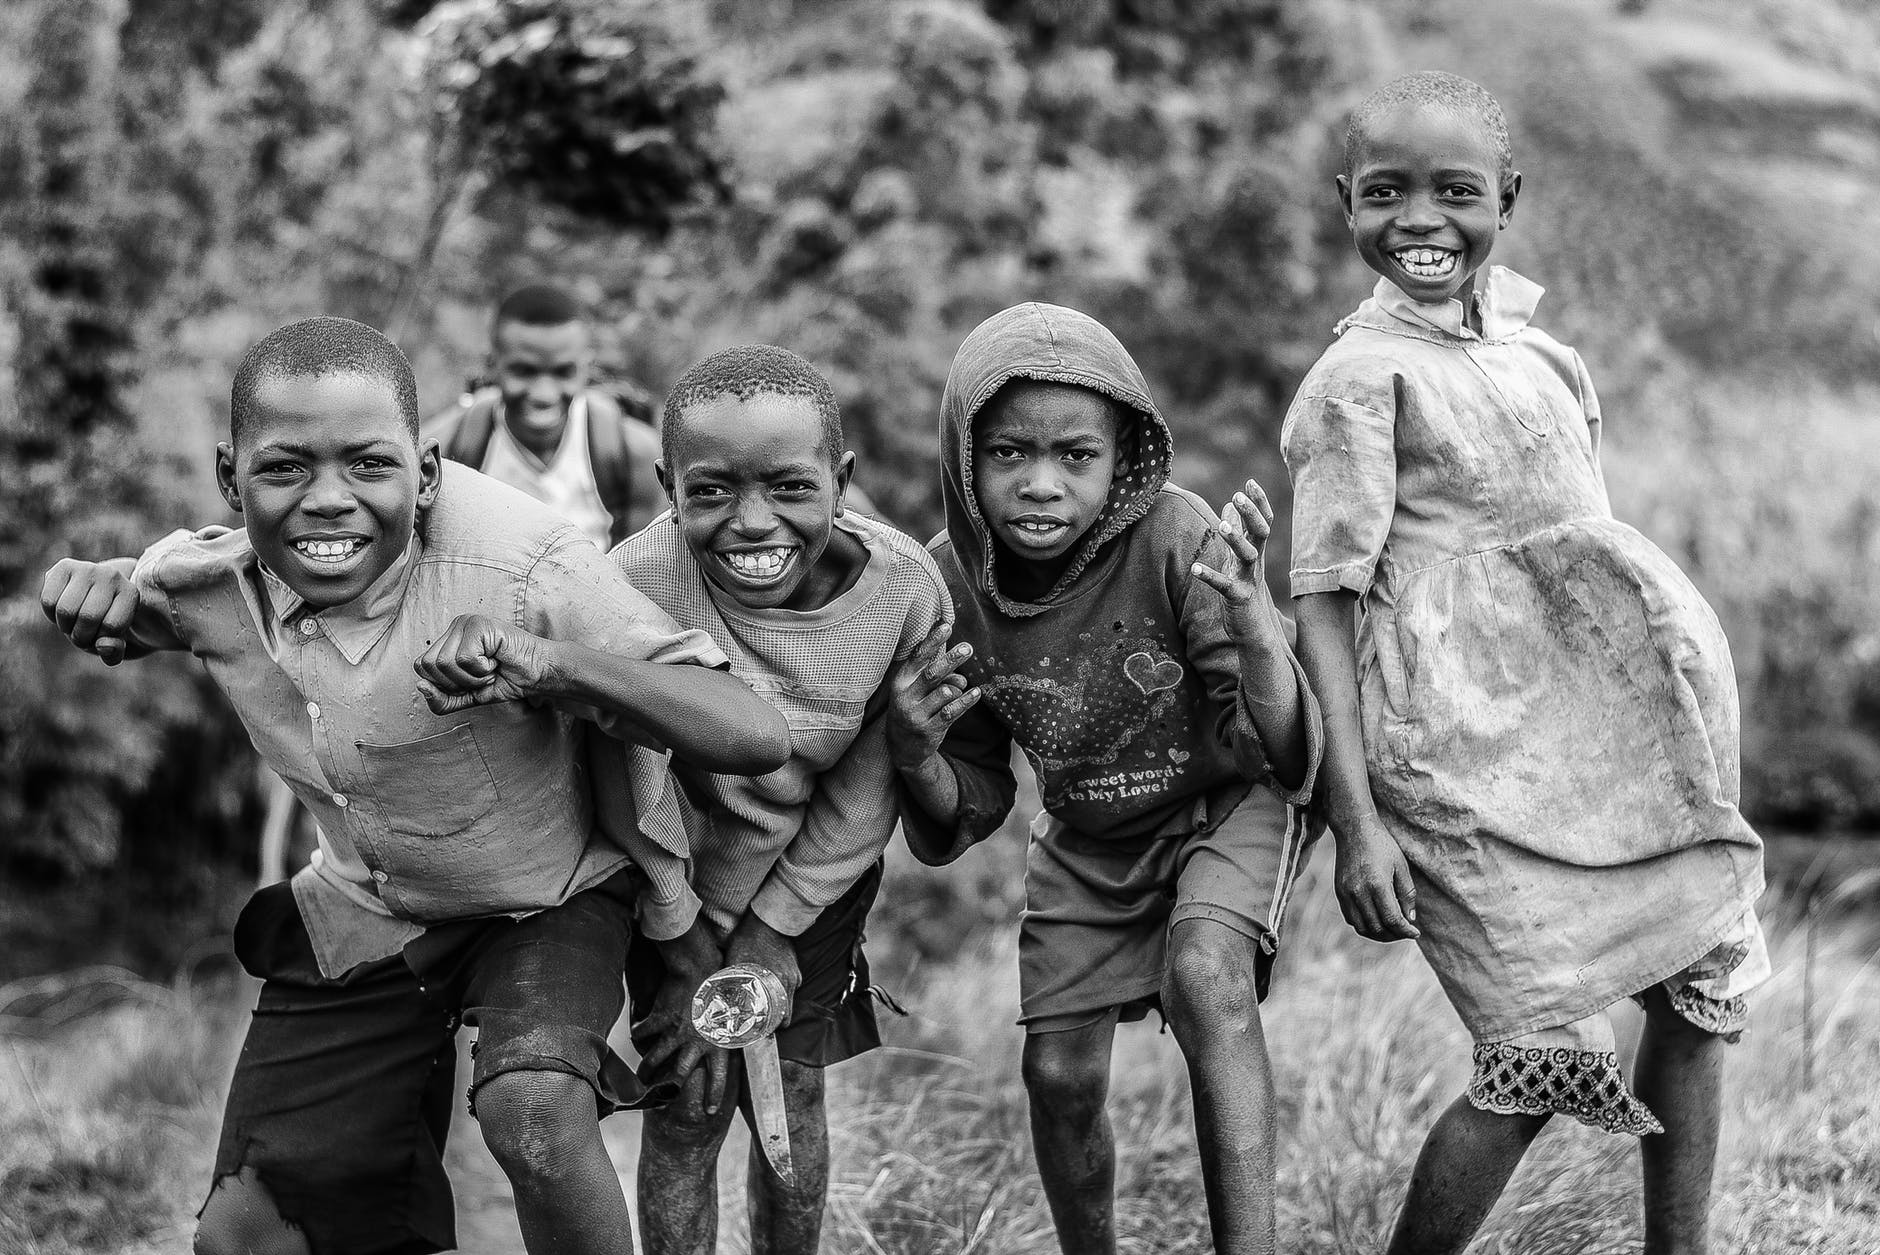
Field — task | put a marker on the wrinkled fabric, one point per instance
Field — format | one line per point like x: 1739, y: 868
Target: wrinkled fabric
x: 1548, y: 704
x: 422, y: 817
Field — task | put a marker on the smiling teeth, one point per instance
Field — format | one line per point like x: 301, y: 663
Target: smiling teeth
x: 760, y: 564
x: 329, y: 550
x: 1426, y: 263
x: 1037, y: 528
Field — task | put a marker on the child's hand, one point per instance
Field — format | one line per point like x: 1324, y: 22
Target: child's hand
x: 1245, y: 524
x: 665, y: 1037
x: 93, y: 604
x: 480, y: 660
x: 1374, y: 887
x: 755, y: 942
x: 929, y: 695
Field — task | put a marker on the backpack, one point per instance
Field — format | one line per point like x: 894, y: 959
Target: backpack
x: 607, y: 447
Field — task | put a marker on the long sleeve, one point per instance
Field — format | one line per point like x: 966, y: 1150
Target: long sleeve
x: 978, y: 751
x: 1216, y: 658
x: 845, y: 827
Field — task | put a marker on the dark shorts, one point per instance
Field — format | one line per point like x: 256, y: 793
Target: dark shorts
x: 342, y: 1094
x: 833, y: 1016
x: 1094, y: 937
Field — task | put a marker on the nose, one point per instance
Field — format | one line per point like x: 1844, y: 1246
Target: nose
x: 1041, y: 483
x: 1418, y: 213
x: 329, y: 496
x: 754, y: 517
x: 544, y: 392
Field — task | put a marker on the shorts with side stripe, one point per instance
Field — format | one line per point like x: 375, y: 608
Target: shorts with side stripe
x: 1094, y: 936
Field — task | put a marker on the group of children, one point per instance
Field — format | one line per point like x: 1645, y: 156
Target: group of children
x: 537, y: 768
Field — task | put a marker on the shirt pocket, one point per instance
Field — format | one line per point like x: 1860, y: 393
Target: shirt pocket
x: 443, y: 779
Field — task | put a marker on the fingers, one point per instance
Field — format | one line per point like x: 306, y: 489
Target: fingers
x: 463, y: 660
x: 1256, y: 496
x: 1404, y: 886
x: 1245, y: 527
x: 442, y: 703
x: 717, y: 1078
x: 1222, y: 584
x: 52, y: 588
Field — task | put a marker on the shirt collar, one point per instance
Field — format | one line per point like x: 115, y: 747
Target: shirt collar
x: 1506, y: 300
x: 357, y: 626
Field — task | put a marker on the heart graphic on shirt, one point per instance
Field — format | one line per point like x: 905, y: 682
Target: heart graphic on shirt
x: 1178, y: 757
x: 1150, y: 674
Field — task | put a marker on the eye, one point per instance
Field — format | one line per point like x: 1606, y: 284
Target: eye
x: 1078, y: 457
x: 277, y: 469
x: 1461, y: 191
x: 795, y: 488
x: 1380, y: 192
x: 1003, y: 453
x: 705, y: 493
x: 374, y: 462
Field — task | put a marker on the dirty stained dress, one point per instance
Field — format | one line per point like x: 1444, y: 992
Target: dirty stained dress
x: 1548, y: 704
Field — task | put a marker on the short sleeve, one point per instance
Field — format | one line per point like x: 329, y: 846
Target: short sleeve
x: 575, y: 593
x: 1589, y: 404
x: 155, y: 625
x: 1343, y: 462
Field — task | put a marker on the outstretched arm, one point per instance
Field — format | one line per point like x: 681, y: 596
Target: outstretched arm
x: 709, y: 718
x: 1374, y: 887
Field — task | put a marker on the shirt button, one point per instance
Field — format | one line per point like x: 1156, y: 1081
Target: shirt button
x: 309, y: 626
x: 381, y: 877
x: 313, y: 710
x: 339, y: 800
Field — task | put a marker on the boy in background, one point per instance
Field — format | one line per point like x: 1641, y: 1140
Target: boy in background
x: 417, y: 654
x: 544, y: 426
x: 1123, y: 635
x: 814, y: 606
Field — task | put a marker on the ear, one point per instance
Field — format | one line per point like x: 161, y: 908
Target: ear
x: 1344, y: 195
x: 1510, y: 188
x: 430, y: 471
x: 845, y: 470
x: 666, y: 483
x: 225, y: 476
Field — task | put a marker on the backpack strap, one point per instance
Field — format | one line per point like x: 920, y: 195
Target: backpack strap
x: 611, y: 461
x: 469, y: 441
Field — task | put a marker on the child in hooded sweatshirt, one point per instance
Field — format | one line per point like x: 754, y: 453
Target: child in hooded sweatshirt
x: 1122, y: 634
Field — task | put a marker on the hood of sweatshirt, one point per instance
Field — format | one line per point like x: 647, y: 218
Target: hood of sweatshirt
x: 1051, y: 344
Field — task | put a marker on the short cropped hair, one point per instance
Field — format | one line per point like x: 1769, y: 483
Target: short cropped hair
x: 1459, y: 96
x: 743, y: 372
x: 538, y: 305
x: 319, y: 347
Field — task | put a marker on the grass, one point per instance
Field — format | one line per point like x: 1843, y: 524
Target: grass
x: 108, y: 1118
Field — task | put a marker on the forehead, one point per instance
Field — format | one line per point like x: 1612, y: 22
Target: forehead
x: 542, y: 343
x: 768, y: 431
x: 1420, y: 136
x: 1043, y: 410
x: 343, y: 406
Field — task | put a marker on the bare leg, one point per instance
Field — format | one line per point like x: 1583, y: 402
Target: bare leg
x: 1067, y: 1079
x: 678, y: 1183
x: 541, y: 1128
x: 1680, y: 1077
x: 787, y: 1219
x: 241, y: 1218
x: 1208, y: 991
x: 1465, y: 1164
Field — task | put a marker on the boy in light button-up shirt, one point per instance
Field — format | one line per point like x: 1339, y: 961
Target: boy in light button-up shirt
x: 419, y: 654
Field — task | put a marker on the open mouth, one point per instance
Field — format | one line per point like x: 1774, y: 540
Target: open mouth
x: 1427, y: 263
x: 759, y: 567
x: 335, y: 553
x: 1038, y: 531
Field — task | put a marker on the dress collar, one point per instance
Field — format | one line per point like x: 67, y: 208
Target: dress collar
x: 1506, y: 300
x: 357, y: 626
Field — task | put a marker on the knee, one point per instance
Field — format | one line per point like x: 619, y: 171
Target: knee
x: 1209, y: 984
x: 1062, y: 1075
x: 241, y: 1218
x: 535, y: 1122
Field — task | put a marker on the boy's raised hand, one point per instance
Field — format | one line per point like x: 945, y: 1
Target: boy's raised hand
x: 480, y: 660
x: 1245, y: 524
x: 928, y: 696
x: 93, y: 604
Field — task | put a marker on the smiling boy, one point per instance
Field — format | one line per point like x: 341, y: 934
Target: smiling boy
x: 415, y: 653
x: 814, y: 606
x: 1122, y: 635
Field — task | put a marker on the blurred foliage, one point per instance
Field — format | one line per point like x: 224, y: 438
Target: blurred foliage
x: 864, y: 183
